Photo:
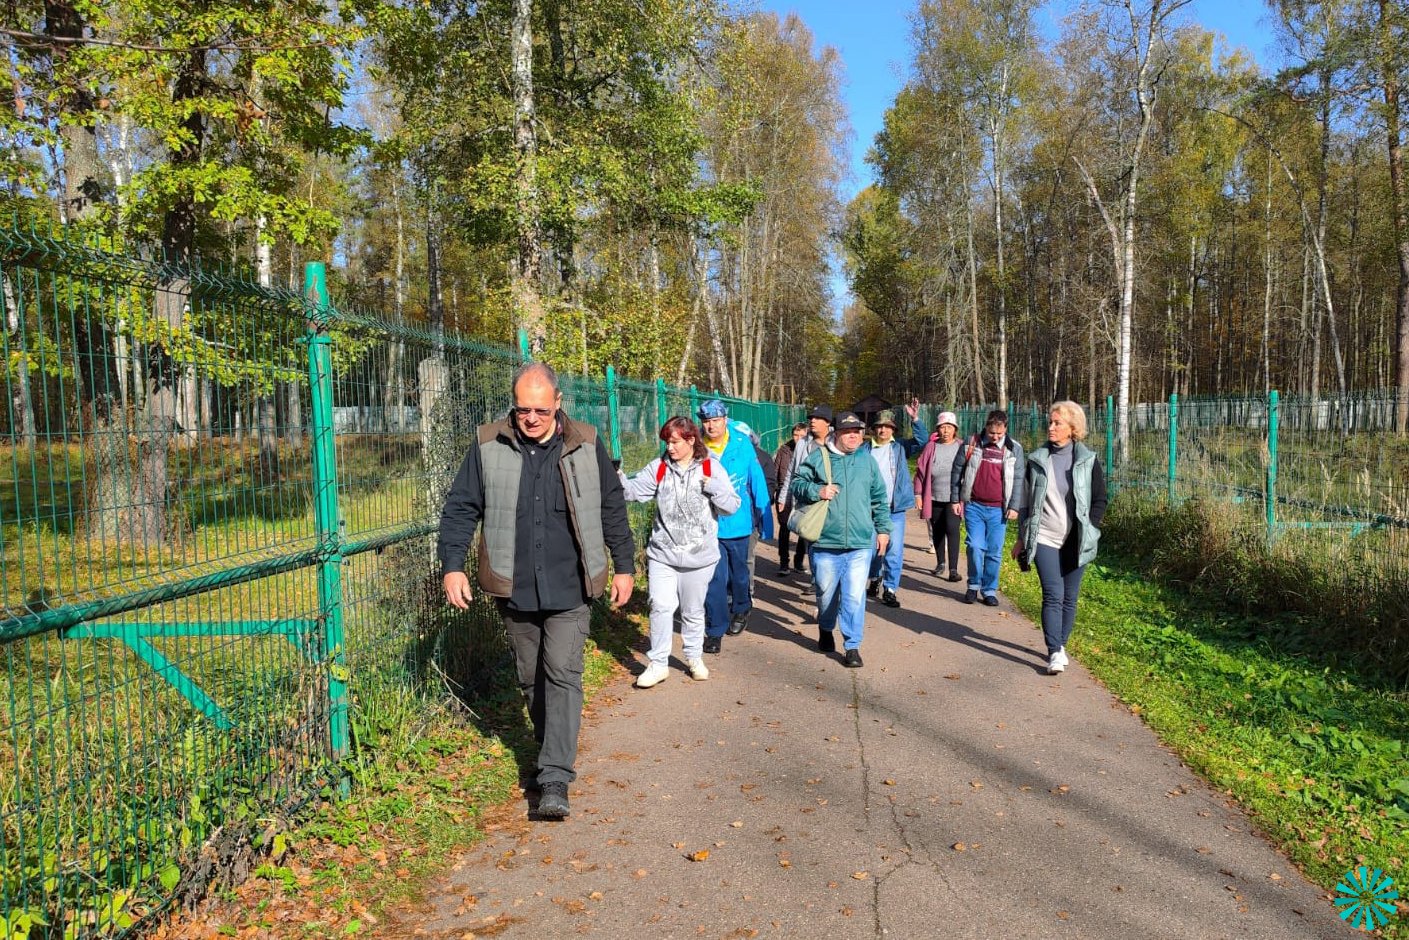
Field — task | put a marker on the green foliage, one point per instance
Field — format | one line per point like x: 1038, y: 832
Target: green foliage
x: 1347, y: 611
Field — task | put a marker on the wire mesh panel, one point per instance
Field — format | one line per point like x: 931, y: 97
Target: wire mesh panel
x: 218, y: 512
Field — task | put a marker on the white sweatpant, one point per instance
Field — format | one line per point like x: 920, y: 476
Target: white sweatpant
x: 673, y: 588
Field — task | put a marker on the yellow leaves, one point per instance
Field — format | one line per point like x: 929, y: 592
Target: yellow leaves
x: 861, y: 875
x: 699, y: 856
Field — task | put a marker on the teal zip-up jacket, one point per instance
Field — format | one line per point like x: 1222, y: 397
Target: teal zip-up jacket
x: 860, y: 509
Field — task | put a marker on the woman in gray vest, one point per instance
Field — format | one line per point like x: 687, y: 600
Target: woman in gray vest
x: 1059, y: 522
x: 689, y: 490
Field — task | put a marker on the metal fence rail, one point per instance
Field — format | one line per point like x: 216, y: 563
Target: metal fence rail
x: 218, y: 504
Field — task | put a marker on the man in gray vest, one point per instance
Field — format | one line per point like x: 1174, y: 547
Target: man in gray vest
x: 550, y: 511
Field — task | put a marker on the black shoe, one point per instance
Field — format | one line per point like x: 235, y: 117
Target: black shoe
x: 711, y: 644
x: 990, y: 600
x: 826, y: 641
x: 554, y: 801
x: 852, y: 660
x: 873, y: 587
x: 954, y: 576
x: 528, y: 783
x: 970, y: 596
x: 784, y: 571
x: 889, y: 599
x: 737, y: 623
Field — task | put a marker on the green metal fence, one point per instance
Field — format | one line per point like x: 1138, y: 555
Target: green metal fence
x: 1328, y: 473
x: 218, y: 504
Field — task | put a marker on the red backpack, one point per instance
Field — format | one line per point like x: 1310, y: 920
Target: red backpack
x: 660, y: 470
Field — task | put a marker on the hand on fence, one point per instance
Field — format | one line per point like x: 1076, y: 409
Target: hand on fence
x: 622, y: 586
x: 457, y: 589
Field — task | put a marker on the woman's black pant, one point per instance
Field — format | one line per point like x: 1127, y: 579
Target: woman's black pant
x: 944, y: 532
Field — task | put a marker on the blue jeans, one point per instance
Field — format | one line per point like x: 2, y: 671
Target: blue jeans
x: 887, y: 566
x: 841, y: 591
x: 1061, y: 582
x: 731, y: 577
x: 987, y: 529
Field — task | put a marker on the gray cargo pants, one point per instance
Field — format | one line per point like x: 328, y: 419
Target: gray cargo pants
x: 548, y: 648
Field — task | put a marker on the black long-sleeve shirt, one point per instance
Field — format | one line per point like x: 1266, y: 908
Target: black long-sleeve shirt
x: 547, y: 559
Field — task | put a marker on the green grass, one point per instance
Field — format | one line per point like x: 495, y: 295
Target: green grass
x: 1315, y: 754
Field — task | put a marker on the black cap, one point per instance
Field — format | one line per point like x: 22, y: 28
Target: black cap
x: 821, y: 411
x: 848, y: 419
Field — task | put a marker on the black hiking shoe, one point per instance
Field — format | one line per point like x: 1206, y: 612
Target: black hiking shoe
x: 873, y: 587
x: 852, y: 660
x: 970, y: 596
x: 826, y: 641
x: 553, y: 804
x: 889, y: 599
x: 711, y: 644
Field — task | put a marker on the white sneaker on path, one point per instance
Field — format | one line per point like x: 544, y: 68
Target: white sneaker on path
x: 655, y: 674
x: 698, y: 670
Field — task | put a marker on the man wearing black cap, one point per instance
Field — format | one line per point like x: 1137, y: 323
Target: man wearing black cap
x: 857, y: 525
x: 819, y: 429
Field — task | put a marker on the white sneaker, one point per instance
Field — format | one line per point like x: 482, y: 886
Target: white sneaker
x: 1061, y: 655
x: 1056, y: 663
x: 655, y: 674
x: 698, y: 670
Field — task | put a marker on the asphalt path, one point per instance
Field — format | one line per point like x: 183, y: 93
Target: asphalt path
x: 949, y: 788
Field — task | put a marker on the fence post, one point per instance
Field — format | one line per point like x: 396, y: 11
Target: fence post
x: 614, y: 414
x: 1173, y: 442
x: 1270, y: 497
x: 325, y: 504
x: 524, y: 352
x: 694, y: 402
x: 662, y: 405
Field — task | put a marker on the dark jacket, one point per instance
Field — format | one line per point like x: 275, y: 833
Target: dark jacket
x: 966, y: 464
x: 551, y: 514
x: 770, y: 472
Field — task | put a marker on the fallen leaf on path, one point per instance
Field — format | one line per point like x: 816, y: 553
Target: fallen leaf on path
x: 960, y: 847
x: 699, y: 856
x: 860, y: 875
x: 1063, y: 915
x: 639, y: 873
x: 736, y: 824
x: 888, y: 782
x: 846, y: 912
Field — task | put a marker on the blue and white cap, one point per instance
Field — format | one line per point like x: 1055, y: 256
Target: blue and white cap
x: 713, y: 408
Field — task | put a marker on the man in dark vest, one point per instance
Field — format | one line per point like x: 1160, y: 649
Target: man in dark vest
x: 547, y: 501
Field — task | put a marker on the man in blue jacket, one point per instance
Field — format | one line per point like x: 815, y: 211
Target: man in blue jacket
x: 728, y: 601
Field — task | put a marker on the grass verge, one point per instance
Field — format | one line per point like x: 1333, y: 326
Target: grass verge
x: 430, y: 782
x: 1315, y: 755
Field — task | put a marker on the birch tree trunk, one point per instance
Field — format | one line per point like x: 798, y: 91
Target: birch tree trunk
x: 528, y: 301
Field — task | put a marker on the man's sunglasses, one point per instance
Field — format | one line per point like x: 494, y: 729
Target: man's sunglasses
x: 540, y: 412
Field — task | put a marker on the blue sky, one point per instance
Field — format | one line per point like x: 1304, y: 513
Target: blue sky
x: 873, y: 37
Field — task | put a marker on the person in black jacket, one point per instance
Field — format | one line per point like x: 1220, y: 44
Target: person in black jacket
x: 782, y: 504
x: 550, y: 511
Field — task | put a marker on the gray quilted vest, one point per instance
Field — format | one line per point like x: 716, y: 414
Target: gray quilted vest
x: 502, y: 465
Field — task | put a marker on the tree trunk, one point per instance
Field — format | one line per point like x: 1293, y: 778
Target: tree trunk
x: 266, y: 413
x: 1390, y: 77
x: 21, y: 399
x: 1267, y: 285
x: 721, y: 364
x: 528, y: 302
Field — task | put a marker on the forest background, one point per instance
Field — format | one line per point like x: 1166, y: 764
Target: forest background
x: 1127, y: 206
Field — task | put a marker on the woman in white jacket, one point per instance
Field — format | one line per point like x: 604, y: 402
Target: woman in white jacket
x: 689, y: 490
